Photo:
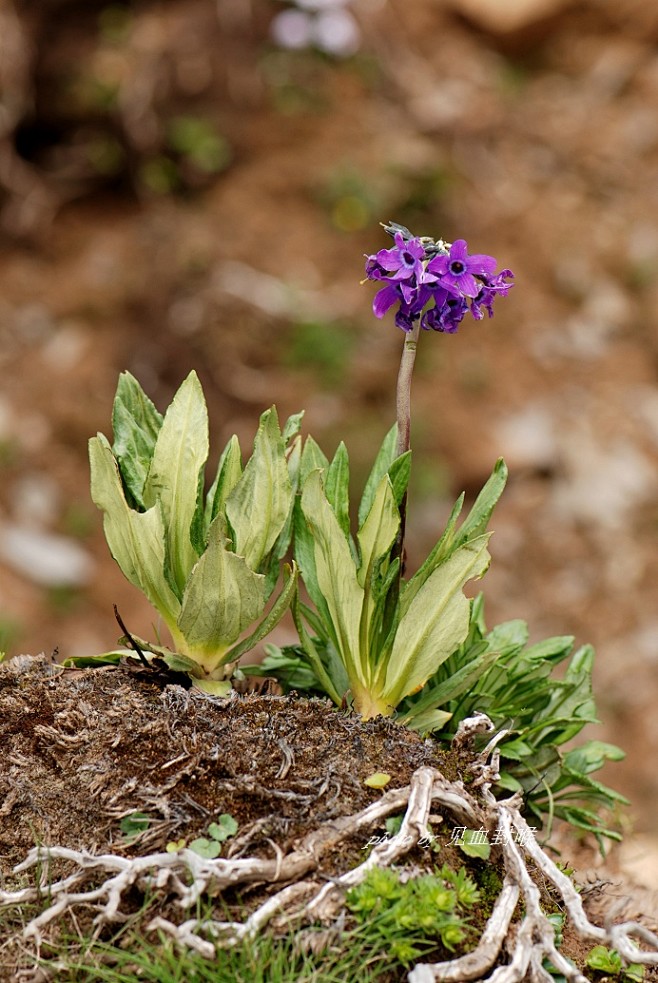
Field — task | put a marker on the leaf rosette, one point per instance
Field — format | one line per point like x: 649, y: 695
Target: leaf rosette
x: 208, y: 563
x: 374, y: 638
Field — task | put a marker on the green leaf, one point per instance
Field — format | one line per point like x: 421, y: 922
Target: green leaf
x: 258, y: 506
x: 225, y: 827
x: 383, y: 462
x: 450, y: 688
x: 198, y: 524
x: 425, y: 721
x: 136, y: 539
x: 474, y: 843
x: 378, y: 779
x: 336, y: 487
x: 135, y: 424
x: 604, y: 960
x: 271, y: 620
x: 131, y: 826
x: 554, y: 649
x: 378, y: 531
x: 399, y: 473
x: 478, y: 518
x: 208, y: 849
x: 435, y: 622
x: 472, y: 527
x: 335, y: 573
x: 179, y: 456
x: 312, y: 459
x: 223, y: 597
x: 331, y: 677
x: 592, y: 755
x: 229, y: 472
x: 508, y: 637
x: 214, y: 687
x: 292, y: 426
x: 94, y: 661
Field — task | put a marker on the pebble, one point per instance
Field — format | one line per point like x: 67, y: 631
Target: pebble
x: 510, y: 15
x: 45, y: 558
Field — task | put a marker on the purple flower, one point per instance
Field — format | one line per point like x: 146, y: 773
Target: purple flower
x: 385, y: 298
x: 491, y: 287
x: 402, y: 262
x: 416, y: 272
x: 459, y: 270
x: 446, y: 315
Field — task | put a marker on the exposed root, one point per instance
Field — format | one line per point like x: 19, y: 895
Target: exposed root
x: 518, y: 950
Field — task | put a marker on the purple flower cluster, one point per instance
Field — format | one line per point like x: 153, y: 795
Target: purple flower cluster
x: 418, y: 272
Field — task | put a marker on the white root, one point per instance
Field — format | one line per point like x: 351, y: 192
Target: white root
x: 520, y: 951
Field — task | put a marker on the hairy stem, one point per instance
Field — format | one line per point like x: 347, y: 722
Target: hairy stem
x: 404, y: 388
x: 404, y: 424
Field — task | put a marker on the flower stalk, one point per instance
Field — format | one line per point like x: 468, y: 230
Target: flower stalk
x: 403, y: 445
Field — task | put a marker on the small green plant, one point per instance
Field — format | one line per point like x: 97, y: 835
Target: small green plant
x: 207, y: 562
x: 498, y: 673
x: 210, y: 846
x: 377, y: 638
x: 410, y: 917
x: 134, y: 825
x: 608, y: 961
x: 474, y: 843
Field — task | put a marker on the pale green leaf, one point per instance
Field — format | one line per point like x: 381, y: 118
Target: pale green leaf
x: 292, y: 426
x: 229, y: 472
x: 378, y: 779
x: 336, y: 487
x: 271, y: 620
x: 214, y: 687
x: 474, y: 843
x: 377, y: 534
x: 452, y: 538
x: 282, y: 545
x: 426, y: 721
x: 438, y: 554
x: 313, y: 458
x: 399, y: 473
x: 180, y: 454
x: 383, y: 461
x: 449, y: 689
x: 435, y: 622
x: 224, y: 828
x: 208, y: 849
x: 182, y: 663
x: 376, y: 537
x: 258, y: 506
x: 136, y: 539
x: 335, y: 572
x: 477, y: 520
x: 135, y: 425
x: 94, y: 661
x: 223, y: 597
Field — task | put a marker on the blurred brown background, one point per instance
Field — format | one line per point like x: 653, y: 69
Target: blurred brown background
x: 179, y: 191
